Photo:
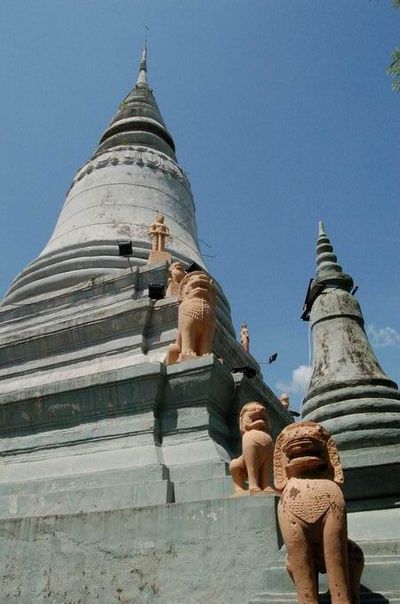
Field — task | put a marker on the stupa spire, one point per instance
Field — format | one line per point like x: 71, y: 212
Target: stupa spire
x: 138, y: 119
x: 348, y: 391
x: 329, y: 272
x: 142, y: 76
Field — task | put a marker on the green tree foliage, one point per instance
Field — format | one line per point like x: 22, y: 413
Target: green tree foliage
x: 394, y: 67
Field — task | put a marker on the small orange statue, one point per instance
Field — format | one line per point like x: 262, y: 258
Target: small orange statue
x: 284, y: 398
x: 312, y: 515
x: 244, y: 337
x: 158, y: 232
x: 177, y: 273
x: 196, y: 318
x: 255, y: 463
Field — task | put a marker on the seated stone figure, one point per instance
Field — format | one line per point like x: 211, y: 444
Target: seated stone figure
x: 255, y: 463
x: 177, y: 274
x: 196, y: 318
x: 312, y: 515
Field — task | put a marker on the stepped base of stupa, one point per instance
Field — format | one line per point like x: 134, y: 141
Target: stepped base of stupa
x: 91, y: 419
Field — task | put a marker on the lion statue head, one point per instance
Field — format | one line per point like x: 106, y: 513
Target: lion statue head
x: 197, y: 285
x: 253, y: 416
x: 177, y: 271
x: 305, y: 449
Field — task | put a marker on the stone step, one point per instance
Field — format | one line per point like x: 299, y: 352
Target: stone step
x: 92, y: 499
x: 198, y: 471
x: 266, y: 598
x: 285, y: 598
x: 198, y: 490
x: 108, y: 478
x: 378, y: 571
x: 60, y: 493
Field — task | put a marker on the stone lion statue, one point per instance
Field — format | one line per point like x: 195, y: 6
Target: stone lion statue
x: 255, y: 463
x: 196, y: 318
x: 312, y: 514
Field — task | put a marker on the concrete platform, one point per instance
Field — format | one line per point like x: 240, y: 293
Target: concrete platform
x: 214, y: 551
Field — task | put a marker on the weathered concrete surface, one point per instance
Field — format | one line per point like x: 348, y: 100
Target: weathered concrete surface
x: 348, y: 391
x: 211, y: 551
x: 371, y: 474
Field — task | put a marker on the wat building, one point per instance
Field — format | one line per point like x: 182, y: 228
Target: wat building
x: 114, y: 481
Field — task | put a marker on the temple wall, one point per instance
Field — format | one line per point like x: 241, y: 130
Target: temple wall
x: 211, y: 551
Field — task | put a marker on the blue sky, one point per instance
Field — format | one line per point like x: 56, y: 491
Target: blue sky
x: 282, y: 115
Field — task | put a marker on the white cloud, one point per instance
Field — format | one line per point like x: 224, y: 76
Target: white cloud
x: 300, y: 378
x: 385, y: 336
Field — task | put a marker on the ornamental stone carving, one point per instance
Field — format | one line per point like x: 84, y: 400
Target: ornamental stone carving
x: 284, y: 398
x: 158, y: 232
x: 196, y: 318
x: 244, y: 337
x: 133, y: 155
x: 177, y: 273
x: 255, y: 463
x: 312, y: 515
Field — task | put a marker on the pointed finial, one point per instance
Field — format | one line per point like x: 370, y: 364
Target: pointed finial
x: 142, y: 77
x: 328, y: 269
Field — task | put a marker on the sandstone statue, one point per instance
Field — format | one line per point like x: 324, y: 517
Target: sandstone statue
x: 177, y: 273
x: 158, y: 232
x: 312, y: 514
x: 244, y: 337
x: 284, y: 398
x: 196, y: 318
x: 255, y: 463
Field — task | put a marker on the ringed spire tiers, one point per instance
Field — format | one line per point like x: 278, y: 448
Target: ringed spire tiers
x: 348, y: 392
x: 132, y: 176
x: 138, y: 119
x: 329, y: 272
